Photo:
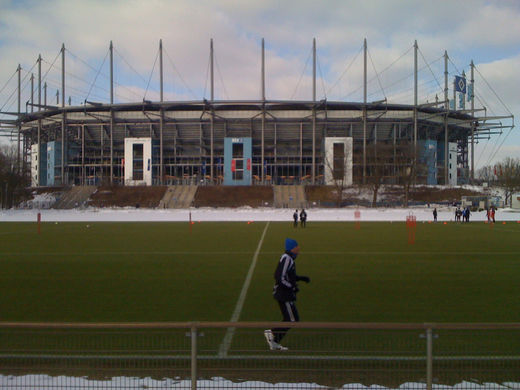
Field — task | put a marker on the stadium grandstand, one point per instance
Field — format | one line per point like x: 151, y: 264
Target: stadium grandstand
x: 248, y: 142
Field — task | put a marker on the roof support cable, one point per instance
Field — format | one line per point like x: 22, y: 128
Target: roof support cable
x: 322, y: 78
x: 10, y: 78
x: 151, y: 75
x: 346, y: 70
x: 301, y: 75
x: 494, y: 92
x: 133, y: 69
x: 482, y: 153
x: 179, y: 74
x: 500, y: 147
x: 87, y: 64
x: 207, y: 76
x: 221, y: 78
x: 431, y: 71
x: 384, y: 70
x: 129, y: 65
x: 25, y: 80
x: 130, y: 90
x: 377, y: 75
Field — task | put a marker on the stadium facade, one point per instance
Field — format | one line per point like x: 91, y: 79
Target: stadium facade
x: 252, y: 142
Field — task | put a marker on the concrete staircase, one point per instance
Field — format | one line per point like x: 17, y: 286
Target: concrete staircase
x: 289, y: 197
x: 178, y: 197
x: 75, y: 197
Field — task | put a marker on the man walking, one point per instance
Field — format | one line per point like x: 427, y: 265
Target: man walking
x: 295, y: 217
x: 435, y: 214
x: 303, y: 218
x: 284, y: 292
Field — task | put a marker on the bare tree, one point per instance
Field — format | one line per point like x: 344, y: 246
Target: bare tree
x: 508, y: 177
x: 486, y: 174
x: 407, y: 169
x: 378, y: 157
x: 12, y: 182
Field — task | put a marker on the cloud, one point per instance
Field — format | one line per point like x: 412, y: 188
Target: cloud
x: 391, y: 27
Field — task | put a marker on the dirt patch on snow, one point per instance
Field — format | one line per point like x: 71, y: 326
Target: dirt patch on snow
x: 148, y: 197
x: 388, y: 196
x: 233, y: 196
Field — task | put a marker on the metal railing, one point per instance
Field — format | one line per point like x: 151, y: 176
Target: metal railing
x: 224, y: 354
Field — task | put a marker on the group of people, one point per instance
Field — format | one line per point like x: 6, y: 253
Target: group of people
x: 303, y: 218
x: 464, y: 214
x: 490, y: 213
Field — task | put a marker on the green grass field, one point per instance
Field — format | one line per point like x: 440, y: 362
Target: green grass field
x: 128, y: 272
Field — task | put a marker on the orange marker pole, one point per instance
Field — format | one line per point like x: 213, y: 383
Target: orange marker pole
x: 357, y: 215
x: 411, y: 225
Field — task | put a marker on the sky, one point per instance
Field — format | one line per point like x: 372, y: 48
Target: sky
x: 486, y: 32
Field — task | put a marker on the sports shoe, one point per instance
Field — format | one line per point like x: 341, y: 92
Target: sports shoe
x: 278, y: 347
x: 269, y: 336
x: 273, y: 345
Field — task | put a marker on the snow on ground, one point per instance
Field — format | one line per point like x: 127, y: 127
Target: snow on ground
x: 242, y: 214
x: 34, y: 382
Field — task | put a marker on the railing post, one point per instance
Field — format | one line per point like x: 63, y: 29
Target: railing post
x: 193, y: 357
x: 429, y: 358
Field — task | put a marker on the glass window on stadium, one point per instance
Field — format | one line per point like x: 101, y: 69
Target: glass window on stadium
x: 137, y: 161
x: 339, y: 161
x: 238, y: 157
x: 238, y: 150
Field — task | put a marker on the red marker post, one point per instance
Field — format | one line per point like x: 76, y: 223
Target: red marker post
x: 357, y: 217
x: 411, y: 225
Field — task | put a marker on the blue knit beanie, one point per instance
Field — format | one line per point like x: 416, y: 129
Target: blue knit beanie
x: 290, y: 244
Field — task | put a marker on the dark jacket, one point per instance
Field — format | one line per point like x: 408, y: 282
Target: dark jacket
x: 285, y: 277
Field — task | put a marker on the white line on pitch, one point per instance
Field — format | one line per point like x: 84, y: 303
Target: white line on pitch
x: 226, y: 342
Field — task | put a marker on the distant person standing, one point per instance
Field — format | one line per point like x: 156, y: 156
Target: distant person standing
x: 488, y: 215
x: 303, y: 218
x: 435, y: 214
x: 295, y: 218
x: 493, y: 213
x: 284, y: 292
x: 468, y: 213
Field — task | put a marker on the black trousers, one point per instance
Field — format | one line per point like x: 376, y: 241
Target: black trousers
x: 290, y: 314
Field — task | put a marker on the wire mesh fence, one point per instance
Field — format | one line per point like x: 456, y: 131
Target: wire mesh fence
x: 236, y: 355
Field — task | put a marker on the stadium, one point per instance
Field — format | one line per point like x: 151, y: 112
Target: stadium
x: 183, y: 299
x: 250, y: 142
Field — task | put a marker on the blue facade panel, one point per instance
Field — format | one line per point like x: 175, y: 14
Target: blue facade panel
x: 50, y: 162
x: 428, y: 156
x: 53, y: 162
x: 237, y: 168
x: 43, y: 165
x: 440, y: 152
